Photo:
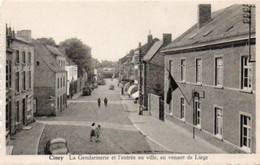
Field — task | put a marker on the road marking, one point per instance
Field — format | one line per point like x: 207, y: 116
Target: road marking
x: 124, y: 127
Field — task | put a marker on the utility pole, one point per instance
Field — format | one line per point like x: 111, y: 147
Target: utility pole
x: 140, y: 81
x: 247, y: 17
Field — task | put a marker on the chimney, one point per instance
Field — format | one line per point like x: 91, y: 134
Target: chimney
x: 149, y: 37
x: 204, y: 13
x: 26, y: 34
x: 167, y: 38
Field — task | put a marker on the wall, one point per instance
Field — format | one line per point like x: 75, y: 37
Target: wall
x: 154, y: 75
x: 231, y: 98
x: 45, y: 106
x: 22, y: 94
x: 61, y: 92
x: 154, y: 104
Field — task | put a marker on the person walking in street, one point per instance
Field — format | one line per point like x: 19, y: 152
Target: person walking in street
x: 93, y: 131
x: 98, y: 133
x: 105, y: 102
x: 99, y: 102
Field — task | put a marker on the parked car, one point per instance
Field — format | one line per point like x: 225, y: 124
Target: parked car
x: 57, y: 146
x: 102, y: 83
x: 112, y: 87
x: 86, y: 91
x: 95, y: 85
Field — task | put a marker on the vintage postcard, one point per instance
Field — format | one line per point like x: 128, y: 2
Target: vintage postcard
x: 129, y: 82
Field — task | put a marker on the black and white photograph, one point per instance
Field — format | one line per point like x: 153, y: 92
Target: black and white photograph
x: 129, y: 80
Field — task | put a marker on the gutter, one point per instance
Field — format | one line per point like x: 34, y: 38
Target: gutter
x: 206, y: 45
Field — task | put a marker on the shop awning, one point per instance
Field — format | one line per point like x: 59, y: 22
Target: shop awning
x: 135, y: 95
x: 127, y: 85
x: 132, y: 89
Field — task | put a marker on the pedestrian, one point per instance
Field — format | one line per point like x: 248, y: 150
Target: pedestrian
x: 93, y: 133
x: 99, y: 102
x: 105, y: 102
x: 98, y: 133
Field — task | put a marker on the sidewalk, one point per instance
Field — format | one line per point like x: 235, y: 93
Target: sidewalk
x: 74, y: 97
x: 26, y: 141
x: 167, y: 135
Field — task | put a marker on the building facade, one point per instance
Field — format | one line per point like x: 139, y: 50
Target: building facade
x: 216, y: 78
x: 153, y: 70
x: 9, y: 95
x: 50, y: 91
x: 72, y: 75
x: 22, y: 81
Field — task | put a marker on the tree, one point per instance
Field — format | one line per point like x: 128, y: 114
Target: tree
x: 47, y: 41
x: 79, y: 52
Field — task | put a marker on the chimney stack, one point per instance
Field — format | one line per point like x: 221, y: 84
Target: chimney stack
x: 204, y: 14
x: 167, y: 38
x: 26, y: 34
x: 149, y: 38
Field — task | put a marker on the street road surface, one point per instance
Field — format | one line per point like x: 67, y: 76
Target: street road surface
x: 119, y: 136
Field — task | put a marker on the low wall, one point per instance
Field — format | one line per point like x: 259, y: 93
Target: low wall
x: 153, y: 104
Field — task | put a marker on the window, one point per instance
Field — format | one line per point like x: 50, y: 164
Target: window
x: 64, y: 81
x: 246, y: 73
x: 24, y: 80
x: 24, y: 58
x: 219, y: 71
x: 182, y: 108
x: 6, y: 74
x: 7, y: 117
x: 218, y: 121
x: 58, y: 83
x: 61, y: 82
x: 198, y: 71
x: 29, y: 80
x: 17, y: 81
x: 37, y: 63
x: 183, y: 70
x: 10, y: 74
x: 17, y: 60
x: 17, y: 111
x: 198, y: 114
x: 245, y: 131
x: 29, y: 58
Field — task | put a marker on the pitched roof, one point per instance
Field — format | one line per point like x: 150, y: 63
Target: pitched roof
x: 225, y: 24
x: 156, y: 46
x: 42, y: 51
x: 54, y: 50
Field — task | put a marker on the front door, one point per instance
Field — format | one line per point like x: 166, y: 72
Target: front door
x: 24, y: 110
x: 161, y: 110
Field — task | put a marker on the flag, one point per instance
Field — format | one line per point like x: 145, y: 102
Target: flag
x: 172, y: 86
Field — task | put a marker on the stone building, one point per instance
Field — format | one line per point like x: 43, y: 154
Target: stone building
x: 50, y: 80
x: 21, y: 81
x: 216, y: 77
x: 153, y: 70
x: 8, y: 106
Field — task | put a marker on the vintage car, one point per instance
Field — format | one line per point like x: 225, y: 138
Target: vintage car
x: 86, y: 91
x: 57, y: 146
x: 111, y: 87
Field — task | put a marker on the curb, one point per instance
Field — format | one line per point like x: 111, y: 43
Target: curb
x: 38, y: 140
x: 146, y: 136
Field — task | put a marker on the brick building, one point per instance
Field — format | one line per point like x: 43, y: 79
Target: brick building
x: 216, y: 94
x: 50, y: 80
x: 8, y: 110
x: 153, y: 70
x: 21, y: 81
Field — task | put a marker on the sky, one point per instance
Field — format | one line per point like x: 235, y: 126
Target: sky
x: 110, y: 28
